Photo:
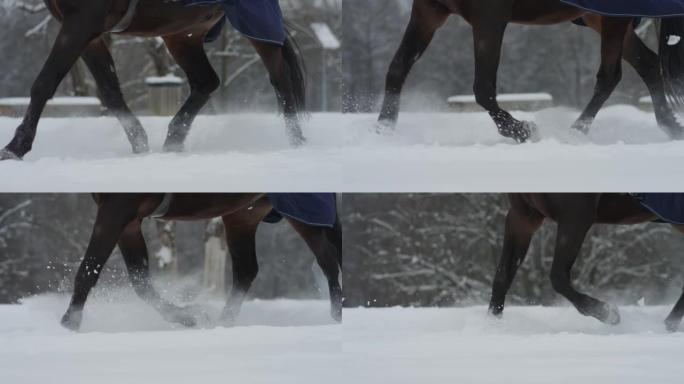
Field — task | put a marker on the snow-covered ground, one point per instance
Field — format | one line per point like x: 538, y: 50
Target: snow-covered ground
x: 448, y: 152
x: 126, y: 342
x: 286, y: 341
x: 530, y: 345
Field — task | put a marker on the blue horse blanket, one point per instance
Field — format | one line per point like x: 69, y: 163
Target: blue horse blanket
x: 318, y: 209
x: 669, y: 207
x: 257, y: 19
x: 631, y: 8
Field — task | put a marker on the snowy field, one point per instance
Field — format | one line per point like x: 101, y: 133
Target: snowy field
x: 286, y: 341
x: 127, y: 342
x: 530, y: 345
x: 448, y: 152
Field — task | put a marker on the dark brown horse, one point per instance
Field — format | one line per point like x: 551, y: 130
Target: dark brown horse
x: 575, y: 215
x: 489, y: 19
x: 119, y: 219
x: 84, y: 23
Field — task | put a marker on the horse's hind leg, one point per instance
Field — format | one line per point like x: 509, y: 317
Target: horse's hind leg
x: 113, y: 215
x: 521, y: 224
x: 134, y: 252
x: 427, y: 16
x: 613, y: 32
x: 101, y: 65
x: 189, y: 52
x: 326, y: 245
x: 241, y: 239
x: 574, y: 222
x: 675, y: 318
x: 286, y: 77
x: 80, y: 26
x: 647, y: 65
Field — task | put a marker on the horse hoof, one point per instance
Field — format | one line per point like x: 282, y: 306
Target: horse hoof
x: 179, y: 315
x: 227, y: 320
x: 609, y: 314
x: 6, y: 154
x: 185, y: 320
x: 520, y: 131
x: 174, y: 147
x: 672, y: 325
x: 297, y: 141
x: 495, y: 312
x: 336, y: 314
x: 582, y: 126
x: 141, y: 149
x: 72, y: 320
x: 384, y: 127
x: 185, y: 317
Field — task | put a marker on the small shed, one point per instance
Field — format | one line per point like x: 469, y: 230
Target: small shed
x: 509, y: 101
x: 165, y: 94
x: 329, y: 43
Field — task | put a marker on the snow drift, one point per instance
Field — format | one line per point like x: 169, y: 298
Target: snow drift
x: 127, y: 342
x: 447, y: 152
x: 530, y: 345
x: 287, y: 341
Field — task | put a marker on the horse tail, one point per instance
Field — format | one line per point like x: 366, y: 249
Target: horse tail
x: 672, y: 59
x: 295, y: 70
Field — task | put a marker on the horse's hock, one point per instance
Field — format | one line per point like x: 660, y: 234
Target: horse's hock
x: 164, y: 94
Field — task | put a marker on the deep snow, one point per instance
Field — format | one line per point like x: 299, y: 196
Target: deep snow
x: 126, y: 342
x: 288, y: 341
x: 530, y: 345
x: 447, y: 152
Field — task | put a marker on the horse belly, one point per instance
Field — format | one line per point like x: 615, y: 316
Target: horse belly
x: 622, y: 209
x: 544, y: 12
x: 157, y: 18
x: 207, y: 206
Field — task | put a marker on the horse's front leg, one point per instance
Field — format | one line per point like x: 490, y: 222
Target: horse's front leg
x: 613, y: 33
x: 188, y: 50
x: 81, y: 25
x: 287, y: 77
x: 241, y: 238
x: 113, y: 215
x: 134, y: 252
x: 521, y: 224
x: 488, y: 33
x: 426, y: 17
